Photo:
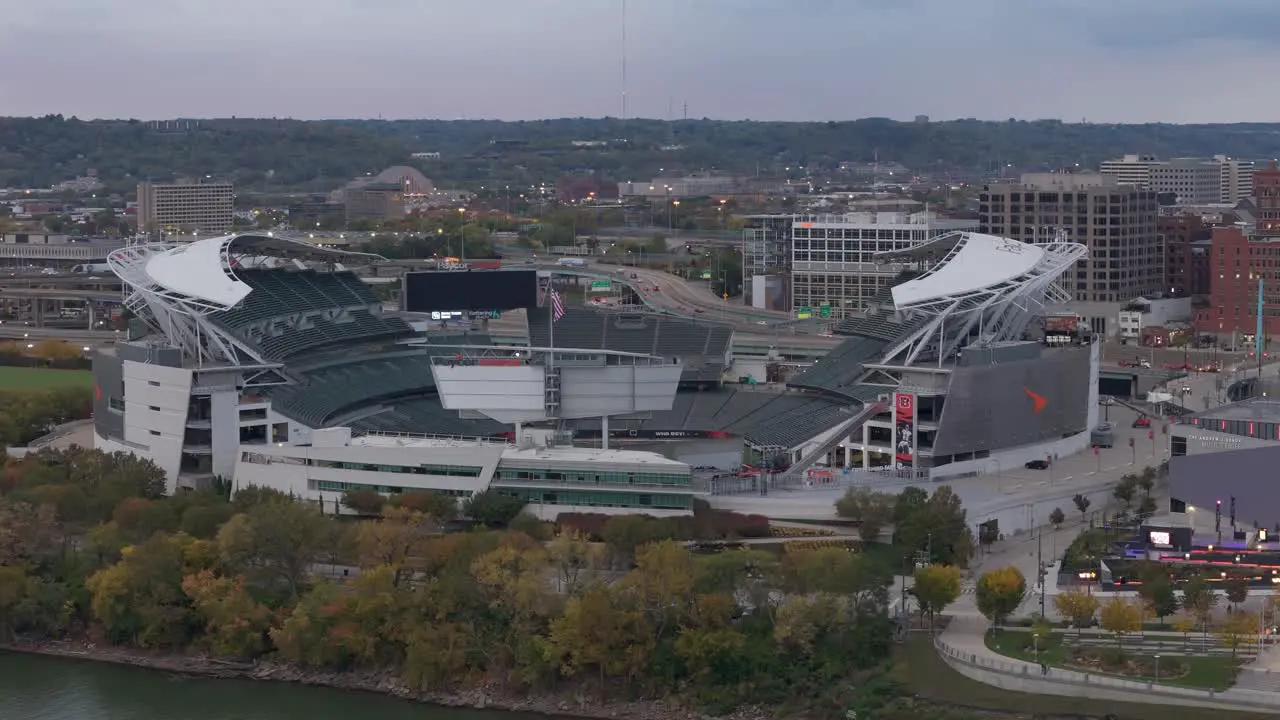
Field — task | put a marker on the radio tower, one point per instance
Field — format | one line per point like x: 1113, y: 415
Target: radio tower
x: 624, y: 60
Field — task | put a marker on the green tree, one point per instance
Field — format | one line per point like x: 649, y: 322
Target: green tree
x: 1125, y: 489
x: 1199, y: 599
x: 940, y: 527
x: 1237, y: 590
x: 1158, y: 594
x: 1000, y: 592
x: 911, y: 500
x: 1057, y: 517
x: 603, y: 629
x: 1082, y: 503
x: 492, y: 508
x: 872, y: 510
x: 139, y: 600
x: 364, y: 502
x: 276, y: 542
x: 936, y: 587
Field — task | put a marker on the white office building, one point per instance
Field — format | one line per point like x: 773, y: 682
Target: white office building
x: 831, y: 256
x: 1195, y: 181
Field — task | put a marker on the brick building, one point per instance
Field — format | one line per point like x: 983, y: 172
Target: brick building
x: 1187, y: 242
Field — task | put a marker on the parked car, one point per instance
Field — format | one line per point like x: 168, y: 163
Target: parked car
x: 1142, y: 422
x: 1038, y: 465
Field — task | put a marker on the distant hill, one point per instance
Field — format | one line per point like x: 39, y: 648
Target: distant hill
x: 292, y: 155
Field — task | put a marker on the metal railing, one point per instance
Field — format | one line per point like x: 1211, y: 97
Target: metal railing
x: 1059, y: 676
x: 885, y: 480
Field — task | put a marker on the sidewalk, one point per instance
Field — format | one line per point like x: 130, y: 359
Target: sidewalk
x: 963, y: 648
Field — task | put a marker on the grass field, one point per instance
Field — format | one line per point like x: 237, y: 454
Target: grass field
x: 1211, y: 672
x: 24, y: 378
x: 926, y: 675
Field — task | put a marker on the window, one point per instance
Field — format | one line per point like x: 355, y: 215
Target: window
x: 155, y: 433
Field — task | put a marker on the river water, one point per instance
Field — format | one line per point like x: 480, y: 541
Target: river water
x: 33, y: 687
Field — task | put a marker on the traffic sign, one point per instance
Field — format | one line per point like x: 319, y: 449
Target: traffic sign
x: 706, y: 274
x: 601, y: 286
x: 824, y: 311
x: 804, y: 312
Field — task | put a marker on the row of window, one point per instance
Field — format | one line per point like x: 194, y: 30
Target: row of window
x: 465, y: 471
x: 535, y: 475
x: 342, y: 487
x: 601, y: 499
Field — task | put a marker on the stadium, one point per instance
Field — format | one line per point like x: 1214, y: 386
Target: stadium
x: 270, y: 362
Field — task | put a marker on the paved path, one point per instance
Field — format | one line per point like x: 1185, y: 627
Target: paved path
x: 962, y: 645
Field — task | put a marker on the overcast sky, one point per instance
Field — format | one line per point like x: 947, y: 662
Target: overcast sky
x: 1104, y: 60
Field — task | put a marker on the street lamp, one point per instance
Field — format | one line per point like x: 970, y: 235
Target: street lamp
x: 1035, y: 645
x: 1157, y: 656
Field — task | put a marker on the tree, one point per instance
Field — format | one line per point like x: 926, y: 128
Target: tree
x: 437, y: 505
x: 572, y: 555
x: 1237, y: 590
x: 909, y: 501
x: 1121, y: 617
x: 1199, y: 599
x: 940, y: 527
x: 1081, y: 502
x: 936, y: 587
x: 1184, y: 624
x: 396, y: 541
x: 236, y: 624
x: 1147, y: 480
x: 870, y: 509
x: 1057, y: 517
x: 1125, y: 489
x: 1000, y: 592
x: 276, y: 541
x: 1238, y: 629
x: 492, y: 508
x: 604, y: 628
x: 1078, y: 606
x: 364, y: 502
x: 664, y: 578
x: 139, y: 600
x: 1158, y: 594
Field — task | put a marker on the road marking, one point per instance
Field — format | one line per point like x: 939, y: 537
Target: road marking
x: 1067, y: 478
x: 1091, y: 473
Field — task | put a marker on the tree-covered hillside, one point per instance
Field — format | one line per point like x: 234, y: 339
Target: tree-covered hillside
x: 280, y: 155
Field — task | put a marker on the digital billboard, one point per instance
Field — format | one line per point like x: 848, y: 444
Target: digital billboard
x: 463, y: 291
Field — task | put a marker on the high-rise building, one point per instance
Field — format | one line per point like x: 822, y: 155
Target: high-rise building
x: 1186, y: 240
x: 1194, y: 181
x: 200, y: 208
x: 376, y: 202
x: 1116, y: 222
x: 832, y: 263
x: 1240, y: 259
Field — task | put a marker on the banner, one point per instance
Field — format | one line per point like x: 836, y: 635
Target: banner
x: 904, y: 428
x: 594, y: 434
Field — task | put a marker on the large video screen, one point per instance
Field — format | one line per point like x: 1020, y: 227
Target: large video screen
x: 469, y: 290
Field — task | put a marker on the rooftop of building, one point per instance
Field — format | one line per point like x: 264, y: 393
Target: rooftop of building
x: 513, y: 453
x: 1262, y: 409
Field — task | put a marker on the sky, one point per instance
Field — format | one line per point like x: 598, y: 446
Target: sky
x: 793, y: 60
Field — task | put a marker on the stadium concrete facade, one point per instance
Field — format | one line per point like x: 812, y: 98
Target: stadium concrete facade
x: 269, y: 361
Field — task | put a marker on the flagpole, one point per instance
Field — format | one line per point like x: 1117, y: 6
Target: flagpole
x: 551, y: 319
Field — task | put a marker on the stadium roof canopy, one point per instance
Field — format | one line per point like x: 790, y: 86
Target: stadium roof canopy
x: 203, y: 272
x: 974, y: 264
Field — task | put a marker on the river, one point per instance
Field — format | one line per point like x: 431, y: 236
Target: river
x: 33, y: 687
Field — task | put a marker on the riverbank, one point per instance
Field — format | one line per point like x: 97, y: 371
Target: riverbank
x: 570, y: 703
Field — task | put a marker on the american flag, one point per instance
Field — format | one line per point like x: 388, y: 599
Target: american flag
x: 557, y: 306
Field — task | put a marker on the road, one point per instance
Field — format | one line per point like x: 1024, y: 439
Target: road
x: 15, y: 331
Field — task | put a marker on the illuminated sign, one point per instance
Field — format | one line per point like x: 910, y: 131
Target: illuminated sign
x: 1160, y: 538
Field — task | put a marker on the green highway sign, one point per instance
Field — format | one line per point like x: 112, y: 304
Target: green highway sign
x: 706, y: 274
x: 824, y: 311
x: 601, y: 286
x: 804, y: 313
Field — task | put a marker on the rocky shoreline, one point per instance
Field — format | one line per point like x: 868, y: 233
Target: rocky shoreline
x: 575, y: 704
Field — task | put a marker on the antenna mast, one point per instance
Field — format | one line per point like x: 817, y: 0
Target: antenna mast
x: 624, y: 59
